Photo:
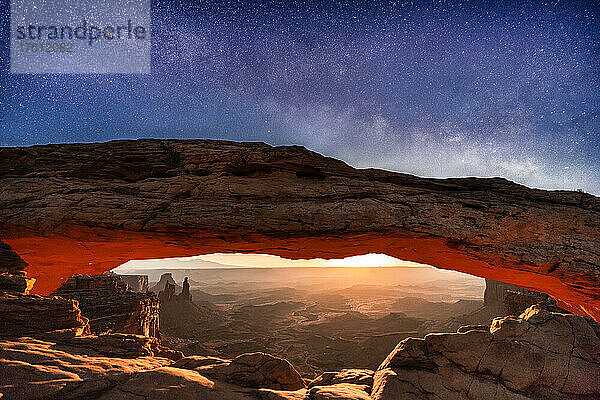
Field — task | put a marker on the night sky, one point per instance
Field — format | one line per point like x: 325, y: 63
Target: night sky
x: 433, y: 88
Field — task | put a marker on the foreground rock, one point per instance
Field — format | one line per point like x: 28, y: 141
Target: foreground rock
x: 22, y: 315
x: 142, y: 199
x: 255, y: 370
x: 540, y: 354
x: 110, y: 307
x: 50, y: 369
x: 354, y: 376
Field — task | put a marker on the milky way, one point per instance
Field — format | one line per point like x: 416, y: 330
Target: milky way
x: 443, y: 88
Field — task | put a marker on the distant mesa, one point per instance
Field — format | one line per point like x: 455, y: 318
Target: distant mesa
x: 166, y: 278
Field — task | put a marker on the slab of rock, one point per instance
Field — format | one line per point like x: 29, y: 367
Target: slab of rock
x: 22, y: 315
x: 13, y: 283
x: 102, y: 204
x: 43, y: 369
x: 540, y: 354
x: 110, y: 306
x: 354, y: 376
x: 255, y: 370
x: 342, y: 391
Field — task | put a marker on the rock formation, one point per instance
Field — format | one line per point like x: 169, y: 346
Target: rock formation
x: 166, y: 278
x: 110, y: 307
x: 540, y: 354
x: 179, y: 315
x: 255, y: 370
x: 15, y: 283
x: 506, y: 299
x: 185, y: 291
x: 22, y: 315
x: 136, y: 283
x: 90, y: 207
x: 75, y: 368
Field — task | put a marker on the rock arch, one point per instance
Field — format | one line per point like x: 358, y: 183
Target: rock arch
x: 91, y: 207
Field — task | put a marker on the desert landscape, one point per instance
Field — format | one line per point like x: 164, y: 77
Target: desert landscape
x: 320, y: 319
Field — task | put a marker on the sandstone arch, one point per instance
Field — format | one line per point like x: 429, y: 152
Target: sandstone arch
x: 90, y: 207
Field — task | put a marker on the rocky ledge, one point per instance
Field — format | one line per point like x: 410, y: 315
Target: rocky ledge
x: 537, y: 355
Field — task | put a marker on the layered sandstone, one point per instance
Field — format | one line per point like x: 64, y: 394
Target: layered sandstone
x: 136, y: 283
x: 110, y: 307
x: 540, y: 354
x: 91, y: 207
x: 12, y: 283
x: 22, y: 315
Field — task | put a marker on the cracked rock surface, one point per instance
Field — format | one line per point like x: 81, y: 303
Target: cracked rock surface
x: 540, y: 354
x: 256, y: 370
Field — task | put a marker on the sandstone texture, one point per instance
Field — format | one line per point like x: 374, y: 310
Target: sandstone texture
x: 15, y: 283
x: 110, y: 307
x: 353, y: 376
x: 44, y: 369
x: 540, y: 354
x: 22, y: 315
x: 255, y: 370
x: 90, y: 207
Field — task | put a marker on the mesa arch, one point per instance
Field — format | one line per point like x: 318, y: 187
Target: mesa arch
x: 90, y: 207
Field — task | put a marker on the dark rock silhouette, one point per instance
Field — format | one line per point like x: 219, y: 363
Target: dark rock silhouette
x: 15, y: 283
x: 185, y: 292
x: 506, y: 299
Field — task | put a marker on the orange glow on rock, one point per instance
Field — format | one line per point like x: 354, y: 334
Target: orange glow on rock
x: 54, y: 258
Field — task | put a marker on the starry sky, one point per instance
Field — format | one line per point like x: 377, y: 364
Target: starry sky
x: 433, y: 88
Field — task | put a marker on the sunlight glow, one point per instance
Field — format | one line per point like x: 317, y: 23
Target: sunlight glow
x: 241, y: 260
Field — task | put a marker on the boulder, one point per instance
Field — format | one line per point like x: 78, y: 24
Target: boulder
x: 354, y: 376
x: 540, y: 354
x: 255, y: 370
